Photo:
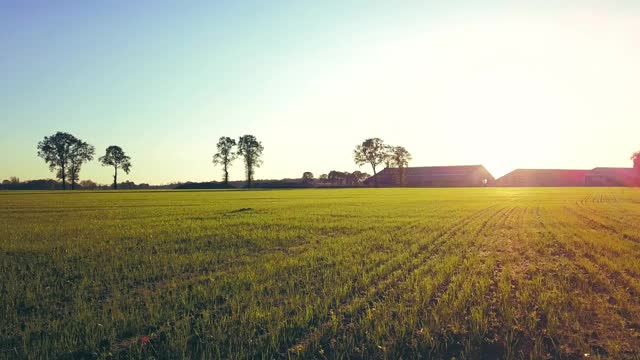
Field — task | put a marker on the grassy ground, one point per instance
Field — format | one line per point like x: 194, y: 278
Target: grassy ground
x: 359, y: 273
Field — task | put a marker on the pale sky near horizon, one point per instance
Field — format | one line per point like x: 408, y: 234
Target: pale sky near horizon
x: 537, y: 84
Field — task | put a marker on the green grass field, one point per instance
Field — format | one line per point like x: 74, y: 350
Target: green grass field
x: 358, y: 273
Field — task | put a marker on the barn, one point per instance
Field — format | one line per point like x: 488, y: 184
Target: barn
x: 602, y: 176
x: 433, y: 176
x: 543, y: 177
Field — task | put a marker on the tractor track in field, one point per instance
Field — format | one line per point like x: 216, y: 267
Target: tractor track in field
x: 609, y: 274
x: 617, y: 281
x: 196, y: 277
x: 605, y: 215
x: 620, y: 279
x: 491, y: 342
x: 388, y: 281
x: 595, y: 224
x: 230, y: 266
x: 442, y: 287
x: 393, y: 276
x: 491, y: 345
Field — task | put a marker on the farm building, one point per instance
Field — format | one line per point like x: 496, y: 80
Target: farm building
x: 434, y: 176
x: 601, y: 176
x: 543, y: 177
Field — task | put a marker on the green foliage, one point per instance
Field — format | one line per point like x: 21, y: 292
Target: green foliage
x: 338, y: 273
x: 115, y: 156
x: 307, y: 177
x: 65, y: 154
x: 225, y: 155
x: 251, y: 151
x: 79, y: 153
x: 371, y: 151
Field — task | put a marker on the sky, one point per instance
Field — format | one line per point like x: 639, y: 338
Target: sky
x: 527, y: 84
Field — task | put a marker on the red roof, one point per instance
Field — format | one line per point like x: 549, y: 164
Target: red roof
x: 544, y: 177
x: 434, y: 175
x: 614, y: 176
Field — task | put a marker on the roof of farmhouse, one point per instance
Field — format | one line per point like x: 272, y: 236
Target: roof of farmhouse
x: 437, y: 172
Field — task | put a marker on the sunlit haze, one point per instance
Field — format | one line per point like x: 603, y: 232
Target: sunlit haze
x: 532, y: 85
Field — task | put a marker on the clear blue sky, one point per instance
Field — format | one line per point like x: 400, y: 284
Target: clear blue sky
x: 541, y: 84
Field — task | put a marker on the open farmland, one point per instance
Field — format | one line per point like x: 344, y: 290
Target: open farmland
x: 432, y: 273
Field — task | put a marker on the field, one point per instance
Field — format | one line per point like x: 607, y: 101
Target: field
x: 358, y: 273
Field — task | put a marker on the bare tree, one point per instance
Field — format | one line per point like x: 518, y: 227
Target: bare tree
x: 251, y: 150
x: 225, y: 155
x: 56, y: 150
x: 115, y: 156
x: 371, y: 151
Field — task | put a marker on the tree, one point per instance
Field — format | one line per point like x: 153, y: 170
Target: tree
x: 323, y: 177
x: 14, y: 180
x: 56, y: 151
x: 359, y: 176
x: 400, y: 157
x: 388, y: 156
x: 251, y: 150
x: 79, y: 153
x: 115, y: 156
x: 88, y: 184
x: 337, y: 177
x: 636, y: 160
x: 371, y: 151
x: 225, y: 155
x: 307, y: 177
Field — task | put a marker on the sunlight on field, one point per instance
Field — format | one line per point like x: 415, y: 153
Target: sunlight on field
x: 360, y: 273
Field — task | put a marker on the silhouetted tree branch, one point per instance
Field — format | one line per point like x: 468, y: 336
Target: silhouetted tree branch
x: 251, y: 150
x: 400, y: 157
x: 371, y: 151
x: 63, y: 150
x: 115, y: 156
x: 225, y: 155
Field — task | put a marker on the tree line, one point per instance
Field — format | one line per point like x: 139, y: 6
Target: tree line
x: 335, y: 178
x: 65, y: 154
x: 372, y: 152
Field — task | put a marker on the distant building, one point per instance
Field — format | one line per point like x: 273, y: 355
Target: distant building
x: 601, y: 176
x: 434, y: 176
x: 543, y: 177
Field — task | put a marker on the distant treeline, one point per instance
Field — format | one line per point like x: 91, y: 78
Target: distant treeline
x: 49, y: 184
x: 337, y: 179
x: 65, y: 154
